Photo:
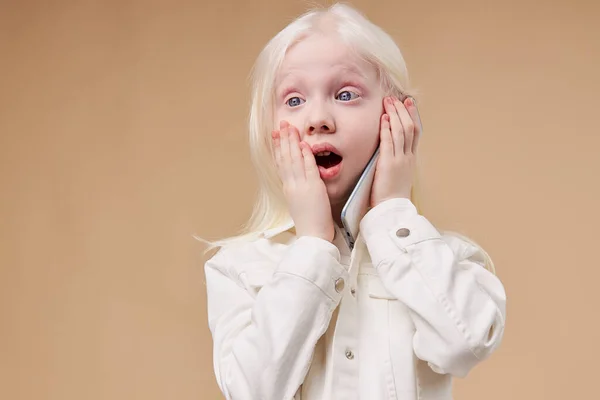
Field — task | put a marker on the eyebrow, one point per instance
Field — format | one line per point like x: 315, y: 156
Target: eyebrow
x: 342, y: 69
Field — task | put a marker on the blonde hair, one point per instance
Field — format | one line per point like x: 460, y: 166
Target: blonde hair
x: 368, y: 41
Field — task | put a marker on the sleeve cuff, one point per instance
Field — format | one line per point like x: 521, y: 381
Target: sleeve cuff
x: 393, y: 226
x: 317, y: 261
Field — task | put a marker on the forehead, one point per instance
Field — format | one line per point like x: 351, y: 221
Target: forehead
x: 320, y: 54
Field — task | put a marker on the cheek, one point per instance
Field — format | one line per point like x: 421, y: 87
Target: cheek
x: 362, y: 142
x: 295, y: 119
x: 370, y: 128
x: 365, y: 130
x: 277, y: 118
x: 367, y: 117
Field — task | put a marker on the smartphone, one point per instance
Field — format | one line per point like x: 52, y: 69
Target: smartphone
x: 358, y: 203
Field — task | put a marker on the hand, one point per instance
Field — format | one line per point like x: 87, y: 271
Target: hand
x: 303, y: 187
x: 399, y: 138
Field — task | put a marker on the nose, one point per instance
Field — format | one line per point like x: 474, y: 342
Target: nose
x: 319, y: 120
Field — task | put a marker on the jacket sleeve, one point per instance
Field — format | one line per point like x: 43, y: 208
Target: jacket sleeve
x: 458, y: 307
x: 263, y: 343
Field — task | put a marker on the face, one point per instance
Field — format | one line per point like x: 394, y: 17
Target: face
x: 335, y: 100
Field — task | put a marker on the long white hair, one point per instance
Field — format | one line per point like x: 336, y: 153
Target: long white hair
x: 369, y: 42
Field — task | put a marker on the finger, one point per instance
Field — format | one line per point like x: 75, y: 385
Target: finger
x: 285, y: 153
x: 386, y: 144
x: 395, y: 127
x: 310, y: 165
x: 414, y: 114
x: 295, y: 154
x: 408, y: 126
x: 276, y: 148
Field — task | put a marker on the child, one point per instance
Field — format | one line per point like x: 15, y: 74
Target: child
x: 294, y: 312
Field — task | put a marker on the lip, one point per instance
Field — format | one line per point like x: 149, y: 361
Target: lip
x: 319, y: 147
x: 328, y: 173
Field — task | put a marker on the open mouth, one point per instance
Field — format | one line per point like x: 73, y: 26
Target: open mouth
x: 327, y: 159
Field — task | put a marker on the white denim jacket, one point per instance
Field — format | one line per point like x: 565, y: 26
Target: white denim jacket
x: 395, y: 318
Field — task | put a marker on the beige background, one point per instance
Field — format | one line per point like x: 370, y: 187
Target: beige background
x: 122, y: 134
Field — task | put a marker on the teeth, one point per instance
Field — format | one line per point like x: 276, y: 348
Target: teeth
x: 323, y: 153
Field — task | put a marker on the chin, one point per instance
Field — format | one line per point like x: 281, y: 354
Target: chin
x: 337, y: 193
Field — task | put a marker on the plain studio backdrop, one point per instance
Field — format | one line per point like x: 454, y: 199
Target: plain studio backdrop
x: 122, y: 134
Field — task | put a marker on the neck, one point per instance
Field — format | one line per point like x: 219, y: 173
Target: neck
x: 336, y: 213
x: 336, y: 209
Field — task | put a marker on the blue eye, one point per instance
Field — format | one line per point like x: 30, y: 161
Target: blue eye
x: 346, y: 95
x: 294, y: 101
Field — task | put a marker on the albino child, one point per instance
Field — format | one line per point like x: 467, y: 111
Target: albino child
x: 294, y: 312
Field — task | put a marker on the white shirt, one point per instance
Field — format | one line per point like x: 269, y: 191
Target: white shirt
x: 395, y: 318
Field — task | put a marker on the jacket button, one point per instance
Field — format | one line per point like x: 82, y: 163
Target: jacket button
x: 339, y: 285
x: 349, y: 355
x: 402, y: 232
x: 353, y: 291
